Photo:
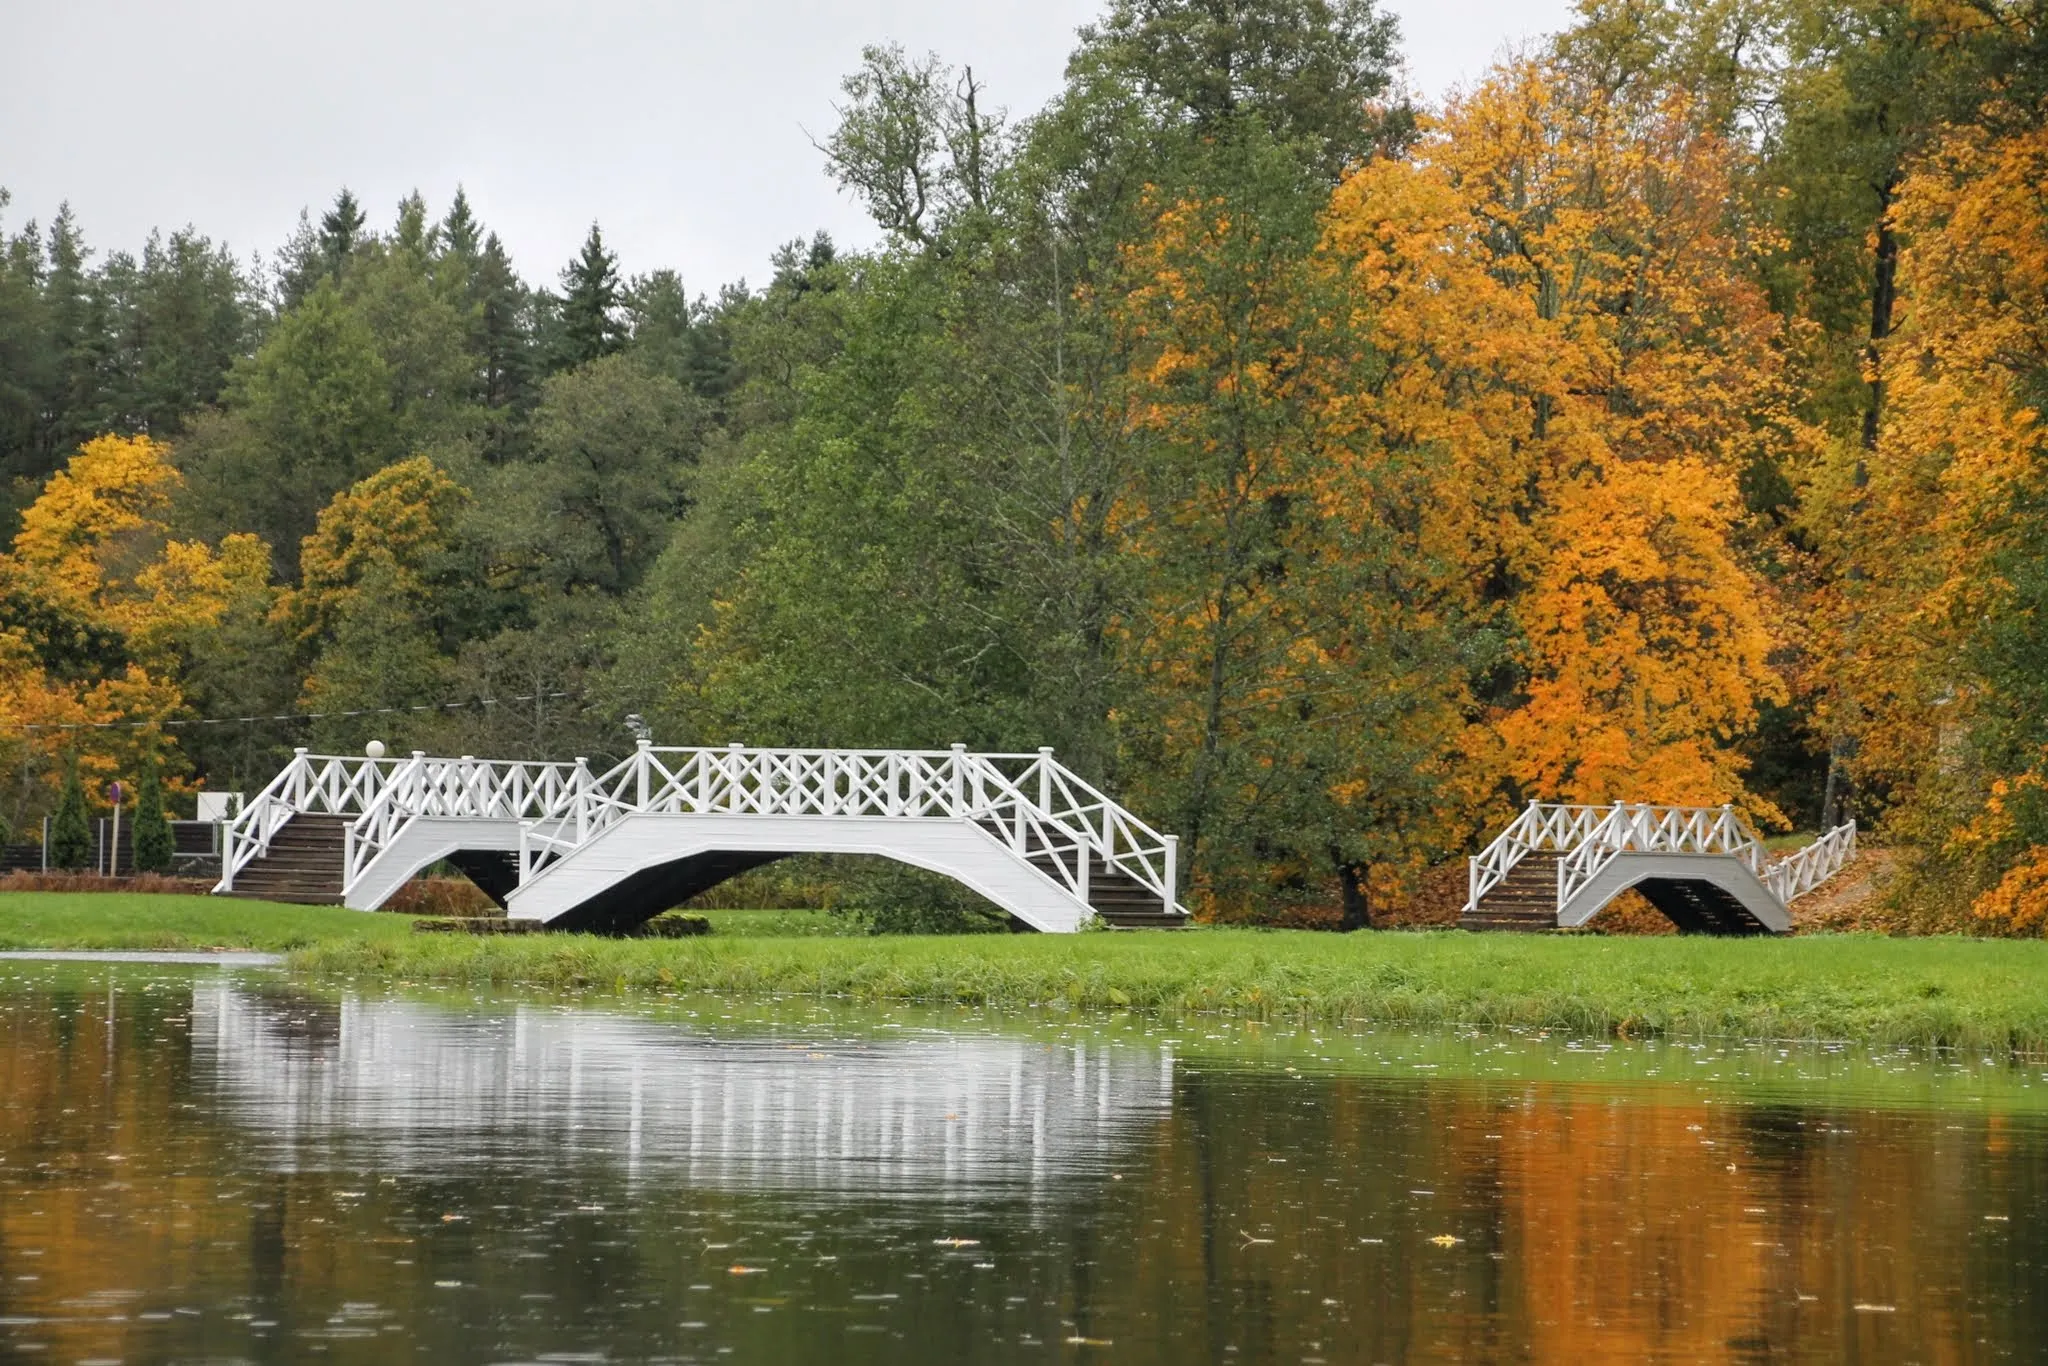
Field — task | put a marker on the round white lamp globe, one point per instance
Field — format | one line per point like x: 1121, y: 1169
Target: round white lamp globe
x: 375, y: 749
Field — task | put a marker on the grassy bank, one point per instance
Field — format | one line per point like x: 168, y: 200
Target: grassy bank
x: 130, y: 920
x: 1967, y: 993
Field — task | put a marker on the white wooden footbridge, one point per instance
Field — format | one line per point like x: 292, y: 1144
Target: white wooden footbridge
x: 567, y: 846
x: 1557, y: 866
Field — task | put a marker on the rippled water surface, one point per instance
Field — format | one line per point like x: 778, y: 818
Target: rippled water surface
x: 201, y: 1165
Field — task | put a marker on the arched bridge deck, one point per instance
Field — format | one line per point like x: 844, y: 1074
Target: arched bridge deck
x: 1557, y: 866
x: 568, y: 846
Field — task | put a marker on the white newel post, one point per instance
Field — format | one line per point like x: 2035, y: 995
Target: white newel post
x: 640, y: 761
x: 1173, y: 872
x: 1044, y: 779
x: 959, y: 785
x: 582, y: 800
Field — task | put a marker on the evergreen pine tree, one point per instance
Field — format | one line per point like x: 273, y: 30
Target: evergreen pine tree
x: 152, y: 841
x: 340, y: 229
x: 590, y: 304
x: 70, y: 834
x: 460, y: 232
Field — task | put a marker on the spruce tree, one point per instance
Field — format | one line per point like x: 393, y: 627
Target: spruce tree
x: 70, y: 834
x: 591, y: 298
x: 340, y: 229
x: 152, y: 841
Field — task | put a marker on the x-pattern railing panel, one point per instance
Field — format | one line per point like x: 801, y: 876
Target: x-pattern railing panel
x: 1803, y: 870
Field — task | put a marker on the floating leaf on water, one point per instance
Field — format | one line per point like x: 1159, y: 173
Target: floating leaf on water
x: 738, y: 1270
x: 1446, y: 1240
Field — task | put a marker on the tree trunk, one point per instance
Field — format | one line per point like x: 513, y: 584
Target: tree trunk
x: 1357, y: 899
x: 1884, y: 291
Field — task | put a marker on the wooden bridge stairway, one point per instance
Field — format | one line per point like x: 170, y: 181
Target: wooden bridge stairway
x: 303, y: 863
x: 1120, y: 899
x: 1526, y: 899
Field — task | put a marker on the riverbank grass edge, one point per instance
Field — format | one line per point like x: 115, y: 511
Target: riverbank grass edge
x: 1965, y: 993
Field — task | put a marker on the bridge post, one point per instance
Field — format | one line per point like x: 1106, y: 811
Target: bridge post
x: 1045, y: 777
x: 582, y: 799
x: 959, y: 786
x: 640, y: 759
x: 1172, y: 871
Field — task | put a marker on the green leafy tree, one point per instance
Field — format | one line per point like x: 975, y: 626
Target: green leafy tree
x: 612, y: 442
x: 70, y: 832
x: 307, y: 416
x: 154, y: 848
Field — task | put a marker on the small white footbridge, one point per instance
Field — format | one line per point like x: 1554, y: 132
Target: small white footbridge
x: 576, y: 848
x: 1556, y: 866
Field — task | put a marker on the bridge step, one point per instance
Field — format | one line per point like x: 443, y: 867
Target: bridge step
x: 1525, y: 900
x: 1116, y: 896
x: 302, y: 865
x: 1700, y: 907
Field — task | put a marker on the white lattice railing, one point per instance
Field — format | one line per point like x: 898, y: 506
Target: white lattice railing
x: 1800, y: 872
x: 1034, y: 804
x: 312, y: 784
x: 1542, y: 827
x: 460, y: 789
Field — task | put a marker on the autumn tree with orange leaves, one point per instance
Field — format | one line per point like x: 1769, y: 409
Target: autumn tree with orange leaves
x: 1557, y: 290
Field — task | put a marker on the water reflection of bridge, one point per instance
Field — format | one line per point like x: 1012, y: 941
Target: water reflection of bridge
x: 402, y: 1086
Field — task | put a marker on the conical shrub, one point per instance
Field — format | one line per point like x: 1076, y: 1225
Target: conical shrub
x: 154, y: 848
x: 70, y: 834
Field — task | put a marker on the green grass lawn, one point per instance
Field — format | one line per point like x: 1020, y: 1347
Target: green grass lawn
x: 118, y: 920
x: 1989, y: 994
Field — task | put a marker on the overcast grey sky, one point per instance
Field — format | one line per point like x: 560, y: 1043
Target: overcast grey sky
x: 681, y: 127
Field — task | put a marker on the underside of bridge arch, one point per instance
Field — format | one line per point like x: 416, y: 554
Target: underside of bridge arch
x: 647, y: 863
x: 639, y: 896
x: 1699, y: 893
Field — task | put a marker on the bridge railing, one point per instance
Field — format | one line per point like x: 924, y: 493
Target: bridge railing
x: 1636, y: 828
x: 1038, y: 807
x: 1803, y: 870
x: 466, y: 788
x: 1542, y: 827
x: 314, y: 784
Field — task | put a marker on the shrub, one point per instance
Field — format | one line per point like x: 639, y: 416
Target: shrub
x: 154, y: 848
x: 70, y: 835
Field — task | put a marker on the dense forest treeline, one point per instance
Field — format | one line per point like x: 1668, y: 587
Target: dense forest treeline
x: 1659, y: 418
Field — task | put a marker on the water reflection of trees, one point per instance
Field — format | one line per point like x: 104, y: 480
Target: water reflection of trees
x: 149, y: 1174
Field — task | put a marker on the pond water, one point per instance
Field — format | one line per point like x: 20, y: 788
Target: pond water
x: 198, y: 1165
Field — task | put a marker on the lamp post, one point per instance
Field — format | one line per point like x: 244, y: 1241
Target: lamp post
x: 114, y: 845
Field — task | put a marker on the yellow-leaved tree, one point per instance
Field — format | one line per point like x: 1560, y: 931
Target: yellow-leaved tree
x: 377, y: 579
x: 101, y: 603
x: 1557, y: 288
x: 1938, y: 536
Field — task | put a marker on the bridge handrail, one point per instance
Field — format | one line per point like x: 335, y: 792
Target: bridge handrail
x: 1805, y: 869
x: 1541, y: 827
x: 466, y: 788
x: 1043, y: 808
x: 1640, y: 828
x: 318, y: 784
